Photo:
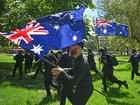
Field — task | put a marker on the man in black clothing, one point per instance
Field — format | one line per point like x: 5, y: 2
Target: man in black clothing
x: 66, y: 61
x: 134, y: 59
x: 19, y: 58
x: 38, y: 65
x: 78, y: 86
x: 28, y: 62
x: 92, y: 62
x: 108, y: 71
x: 48, y: 77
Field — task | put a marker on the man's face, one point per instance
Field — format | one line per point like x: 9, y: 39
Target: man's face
x: 74, y: 50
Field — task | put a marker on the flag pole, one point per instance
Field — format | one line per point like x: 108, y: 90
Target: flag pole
x: 98, y: 47
x: 51, y: 64
x: 100, y: 92
x: 97, y: 37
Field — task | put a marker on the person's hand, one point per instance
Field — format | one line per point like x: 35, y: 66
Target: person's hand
x: 56, y: 71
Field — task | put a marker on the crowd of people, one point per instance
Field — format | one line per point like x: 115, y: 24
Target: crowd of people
x: 70, y: 73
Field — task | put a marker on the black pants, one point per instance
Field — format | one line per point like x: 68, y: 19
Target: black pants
x: 134, y: 71
x: 38, y: 70
x: 94, y: 68
x: 48, y: 82
x: 28, y: 67
x: 80, y: 97
x: 108, y: 74
x: 18, y: 66
x: 62, y: 96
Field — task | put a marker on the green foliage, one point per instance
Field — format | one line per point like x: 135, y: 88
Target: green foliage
x: 2, y: 6
x: 124, y: 11
x: 19, y: 12
x: 127, y: 12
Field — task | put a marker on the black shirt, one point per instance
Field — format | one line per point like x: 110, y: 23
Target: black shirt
x: 19, y: 58
x: 81, y: 77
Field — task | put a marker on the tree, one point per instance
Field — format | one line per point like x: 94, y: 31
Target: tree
x: 124, y: 11
x: 2, y: 6
x: 19, y: 12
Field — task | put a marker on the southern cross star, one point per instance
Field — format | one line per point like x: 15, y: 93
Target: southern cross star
x: 120, y: 32
x: 104, y: 31
x: 56, y: 27
x: 37, y: 49
x: 74, y: 38
x: 71, y: 16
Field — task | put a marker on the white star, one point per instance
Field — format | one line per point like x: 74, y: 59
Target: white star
x: 120, y: 32
x: 74, y: 38
x: 71, y: 16
x: 57, y: 15
x: 77, y: 7
x: 104, y: 31
x: 56, y: 27
x: 37, y: 49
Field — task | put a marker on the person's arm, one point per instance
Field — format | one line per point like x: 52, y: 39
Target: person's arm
x: 73, y: 80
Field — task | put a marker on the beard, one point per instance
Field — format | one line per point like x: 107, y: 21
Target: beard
x: 73, y: 52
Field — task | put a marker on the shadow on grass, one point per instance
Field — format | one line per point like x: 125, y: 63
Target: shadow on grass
x: 115, y: 102
x: 138, y: 81
x: 122, y: 69
x: 7, y: 79
x: 6, y: 65
x: 115, y: 92
x: 48, y: 100
x: 96, y: 77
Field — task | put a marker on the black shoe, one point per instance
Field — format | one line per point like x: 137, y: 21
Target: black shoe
x: 125, y: 84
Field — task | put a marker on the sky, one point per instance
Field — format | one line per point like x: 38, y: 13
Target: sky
x: 93, y: 13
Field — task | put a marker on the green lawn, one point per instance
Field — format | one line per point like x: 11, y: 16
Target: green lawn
x: 31, y: 92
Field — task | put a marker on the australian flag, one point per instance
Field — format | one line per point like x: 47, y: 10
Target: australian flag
x: 50, y: 32
x: 108, y: 28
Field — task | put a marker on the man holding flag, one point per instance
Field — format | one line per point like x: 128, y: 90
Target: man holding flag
x: 59, y: 31
x: 78, y: 86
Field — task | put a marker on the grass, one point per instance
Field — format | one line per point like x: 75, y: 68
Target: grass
x: 31, y: 92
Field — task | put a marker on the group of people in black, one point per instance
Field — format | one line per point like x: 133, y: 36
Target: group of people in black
x: 20, y: 58
x: 69, y: 72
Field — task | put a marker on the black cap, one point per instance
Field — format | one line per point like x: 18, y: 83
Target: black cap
x: 81, y: 44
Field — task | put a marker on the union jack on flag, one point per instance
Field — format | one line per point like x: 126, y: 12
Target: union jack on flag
x: 26, y: 32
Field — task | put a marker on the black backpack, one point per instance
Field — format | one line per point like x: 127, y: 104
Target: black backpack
x: 112, y: 60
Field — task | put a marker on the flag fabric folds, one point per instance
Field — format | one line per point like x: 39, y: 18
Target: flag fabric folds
x: 50, y: 32
x: 109, y: 28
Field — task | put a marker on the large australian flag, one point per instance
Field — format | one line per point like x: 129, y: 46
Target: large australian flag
x: 50, y: 32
